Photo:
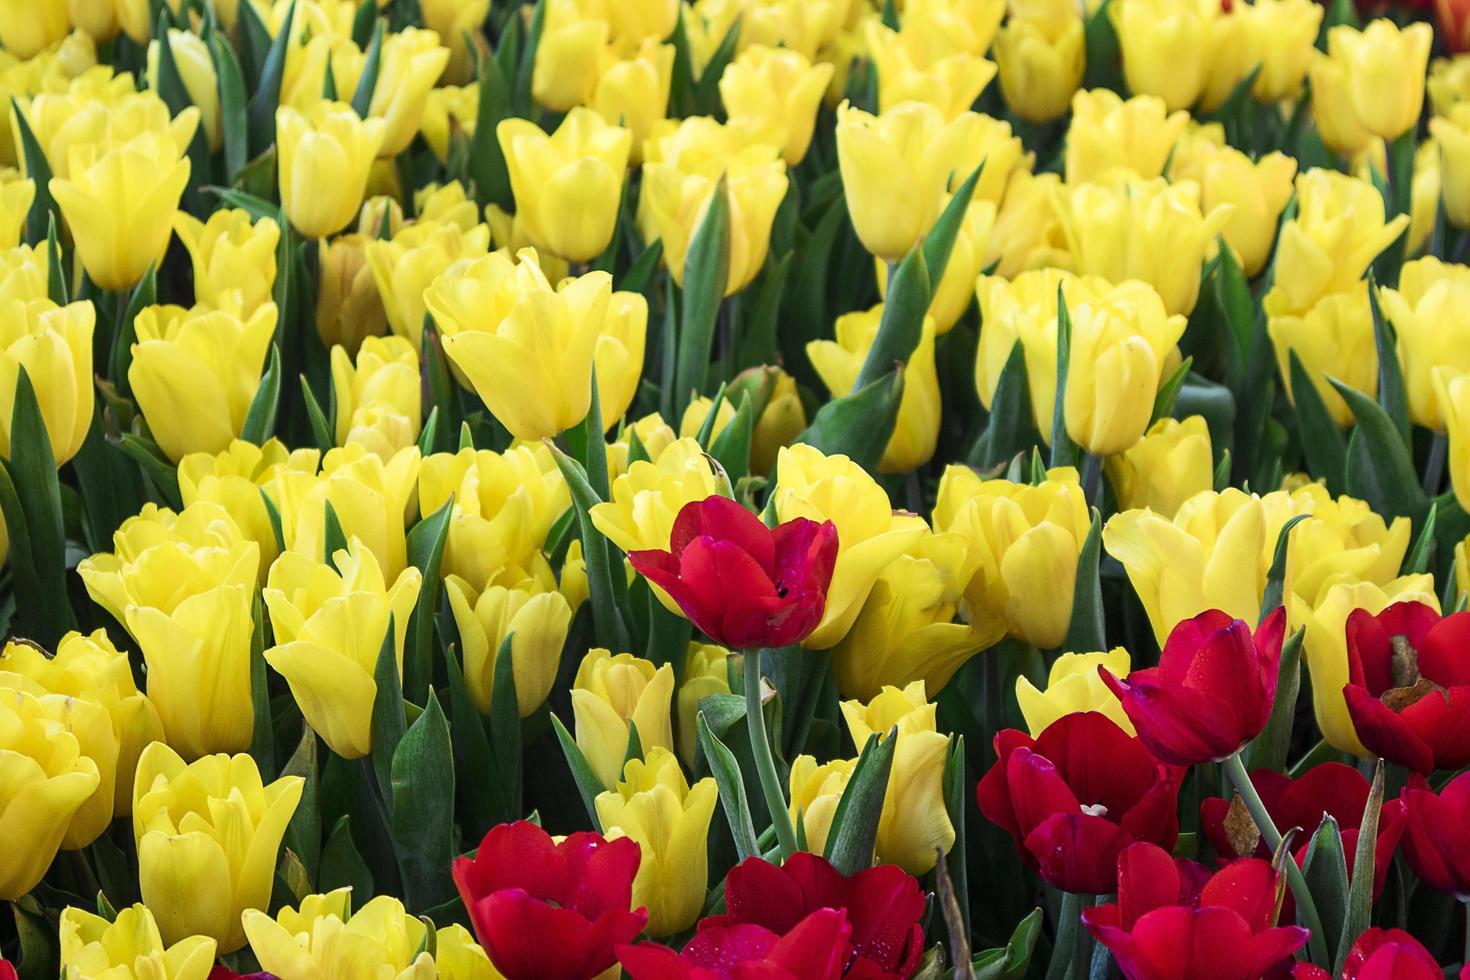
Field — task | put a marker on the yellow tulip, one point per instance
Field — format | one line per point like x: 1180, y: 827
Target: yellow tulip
x: 647, y: 498
x: 536, y: 620
x: 633, y: 92
x: 1325, y: 645
x: 1170, y: 463
x: 913, y: 66
x: 232, y: 254
x: 458, y: 955
x: 815, y: 792
x: 618, y: 356
x: 405, y: 267
x: 1151, y: 33
x: 372, y: 497
x: 1150, y: 230
x: 1107, y: 134
x: 1338, y: 231
x: 182, y: 585
x: 706, y: 672
x: 348, y: 305
x: 1333, y: 339
x: 196, y: 68
x: 1023, y: 545
x: 898, y: 166
x: 378, y: 397
x: 1448, y: 83
x: 870, y: 533
x: 655, y: 434
x: 323, y: 937
x: 1454, y: 406
x: 1452, y: 133
x: 953, y: 292
x: 119, y: 204
x: 195, y: 373
x: 639, y: 20
x: 838, y: 363
x: 330, y: 622
x: 1256, y: 190
x: 30, y: 26
x: 412, y: 61
x: 240, y: 478
x: 1028, y: 232
x: 1279, y: 36
x: 324, y: 156
x: 775, y: 92
x: 16, y: 194
x: 1423, y: 311
x: 567, y: 57
x: 1073, y: 686
x: 653, y: 804
x: 100, y: 109
x: 611, y: 693
x: 1425, y: 191
x: 449, y: 111
x: 783, y: 419
x: 1333, y: 111
x: 1211, y: 555
x: 208, y: 834
x: 906, y: 631
x: 568, y: 186
x: 526, y: 348
x: 54, y: 346
x: 1041, y: 56
x: 968, y: 25
x: 458, y: 23
x: 1385, y: 69
x: 129, y: 947
x: 303, y: 82
x: 696, y: 414
x: 89, y: 670
x: 914, y: 822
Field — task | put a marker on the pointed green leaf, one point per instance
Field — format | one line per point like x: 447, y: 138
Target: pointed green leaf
x: 731, y: 787
x: 1321, y: 439
x: 1086, y: 631
x: 423, y: 808
x: 426, y: 553
x: 588, y: 785
x: 706, y: 269
x: 260, y: 420
x: 367, y: 82
x: 901, y: 326
x: 858, y: 425
x: 854, y: 828
x: 1379, y: 468
x: 388, y: 721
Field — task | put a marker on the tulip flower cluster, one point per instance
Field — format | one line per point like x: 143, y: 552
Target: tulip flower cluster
x: 702, y: 489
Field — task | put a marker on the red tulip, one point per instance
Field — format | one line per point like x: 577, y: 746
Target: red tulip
x: 743, y: 584
x: 1437, y: 834
x: 1173, y: 921
x: 7, y: 971
x: 1212, y: 691
x: 883, y: 906
x: 1408, y: 690
x: 1380, y: 954
x: 549, y: 911
x: 1075, y: 797
x: 1330, y: 789
x: 1454, y: 24
x: 816, y: 948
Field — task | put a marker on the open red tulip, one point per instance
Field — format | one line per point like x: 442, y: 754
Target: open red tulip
x: 816, y: 948
x: 742, y: 583
x: 1437, y: 834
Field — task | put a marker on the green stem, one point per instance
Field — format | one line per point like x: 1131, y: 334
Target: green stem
x: 1069, y: 923
x: 1305, y: 905
x: 1434, y: 466
x: 765, y: 764
x: 1466, y: 906
x: 1091, y: 478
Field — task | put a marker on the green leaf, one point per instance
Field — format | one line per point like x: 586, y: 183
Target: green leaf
x: 858, y: 425
x: 334, y: 539
x: 1420, y: 558
x: 1270, y: 748
x: 254, y: 205
x: 1325, y: 869
x: 1102, y: 50
x: 262, y: 740
x: 505, y: 724
x: 255, y: 42
x: 388, y: 721
x: 267, y: 96
x: 632, y: 750
x: 640, y: 273
x: 436, y: 365
x: 342, y: 865
x: 1010, y: 428
x: 144, y: 294
x: 304, y: 833
x: 956, y: 796
x: 706, y: 270
x: 902, y: 324
x: 1011, y: 961
x: 1086, y: 631
x: 260, y: 421
x: 707, y: 89
x: 426, y: 553
x: 234, y: 106
x: 152, y: 462
x: 56, y: 289
x: 38, y: 169
x: 731, y: 448
x: 429, y: 436
x: 321, y: 431
x: 525, y: 72
x: 1321, y: 439
x: 707, y: 427
x: 484, y: 802
x: 939, y: 242
x: 1379, y: 468
x: 1391, y: 393
x: 854, y: 826
x: 757, y: 338
x: 423, y: 808
x: 37, y: 940
x: 1359, y: 914
x: 588, y: 785
x: 1168, y: 394
x: 486, y: 159
x: 731, y: 786
x: 605, y: 612
x: 362, y: 97
x: 1063, y: 451
x: 1273, y: 597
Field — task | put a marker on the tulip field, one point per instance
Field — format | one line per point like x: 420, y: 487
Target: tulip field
x: 734, y: 489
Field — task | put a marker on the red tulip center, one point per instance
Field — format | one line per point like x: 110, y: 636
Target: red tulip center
x: 1409, y: 685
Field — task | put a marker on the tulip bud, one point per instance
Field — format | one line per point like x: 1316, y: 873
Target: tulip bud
x: 1107, y: 134
x: 195, y: 373
x: 211, y: 828
x: 651, y: 430
x: 1074, y: 686
x: 654, y: 805
x: 16, y: 194
x: 1257, y: 192
x: 839, y: 362
x: 406, y: 266
x: 1423, y: 311
x: 234, y: 258
x: 637, y: 20
x: 1279, y: 36
x: 910, y: 70
x: 448, y: 111
x: 1152, y: 32
x: 610, y: 694
x: 1170, y: 463
x: 458, y: 23
x: 348, y: 305
x: 567, y: 57
x: 378, y: 398
x: 1333, y: 111
x: 1453, y: 398
x: 783, y: 419
x: 633, y: 92
x: 647, y: 498
x: 324, y: 157
x: 129, y: 946
x: 412, y: 61
x: 1448, y: 83
x: 1334, y: 339
x: 196, y: 67
x: 870, y: 533
x: 1028, y: 231
x: 815, y: 792
x: 536, y: 620
x: 30, y: 26
x: 1041, y: 56
x: 706, y: 672
x: 324, y: 937
x: 775, y: 92
x: 372, y: 497
x: 54, y: 346
x: 1384, y: 69
x: 1452, y: 133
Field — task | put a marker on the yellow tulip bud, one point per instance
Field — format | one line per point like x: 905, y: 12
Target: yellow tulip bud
x: 1211, y: 555
x: 449, y: 110
x: 195, y: 373
x: 838, y: 363
x: 1028, y: 232
x: 815, y: 792
x: 618, y: 355
x: 1452, y: 133
x: 100, y: 109
x: 1257, y: 191
x: 330, y: 622
x: 1074, y: 686
x: 1448, y: 83
x: 1107, y: 134
x: 968, y: 25
x: 1325, y: 645
x: 653, y: 804
x: 1121, y: 343
x: 1454, y: 405
x: 656, y: 436
x: 1424, y: 313
x: 1333, y: 339
x: 775, y: 92
x: 696, y: 414
x: 1333, y: 111
x: 1041, y: 56
x: 372, y: 497
x: 54, y: 346
x: 129, y: 947
x: 183, y: 586
x: 1425, y: 191
x: 778, y: 426
x: 647, y: 498
x: 1170, y: 463
x: 870, y: 533
x: 914, y: 822
x: 196, y: 67
x: 234, y: 257
x: 568, y: 185
x: 1151, y: 33
x: 1384, y: 68
x: 303, y: 81
x: 639, y: 20
x: 706, y: 672
x: 567, y: 57
x: 16, y: 194
x: 906, y: 630
x: 208, y: 834
x: 412, y: 61
x: 30, y: 26
x: 324, y: 157
x: 453, y: 20
x: 1279, y: 36
x: 325, y: 938
x: 612, y: 692
x: 378, y: 397
x: 897, y: 167
x: 348, y: 305
x: 913, y: 67
x: 538, y: 622
x: 633, y: 92
x: 119, y: 204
